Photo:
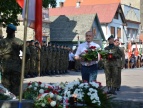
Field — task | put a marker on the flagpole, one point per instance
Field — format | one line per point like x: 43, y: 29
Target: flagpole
x: 24, y: 52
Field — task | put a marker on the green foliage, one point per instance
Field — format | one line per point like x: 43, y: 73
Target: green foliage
x: 51, y: 2
x: 4, y: 97
x: 9, y: 10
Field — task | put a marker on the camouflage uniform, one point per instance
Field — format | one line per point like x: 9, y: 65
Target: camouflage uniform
x: 11, y: 63
x: 43, y: 59
x: 57, y: 59
x: 27, y: 62
x: 53, y: 59
x: 38, y: 52
x: 61, y: 60
x: 33, y: 60
x: 49, y: 55
x: 110, y: 67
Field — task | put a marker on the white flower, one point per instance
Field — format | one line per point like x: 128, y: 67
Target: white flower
x: 36, y: 84
x: 43, y: 104
x: 53, y: 103
x: 41, y: 91
x: 46, y: 86
x: 91, y: 89
x: 30, y: 86
x: 88, y: 93
x: 93, y: 101
x: 35, y: 88
x: 51, y: 95
x: 59, y: 97
x: 42, y: 85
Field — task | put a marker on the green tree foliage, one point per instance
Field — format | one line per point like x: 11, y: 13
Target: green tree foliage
x: 9, y: 10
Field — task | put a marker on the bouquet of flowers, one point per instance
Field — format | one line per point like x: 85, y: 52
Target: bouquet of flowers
x: 48, y: 100
x: 89, y: 94
x: 34, y: 89
x: 90, y: 54
x: 103, y: 54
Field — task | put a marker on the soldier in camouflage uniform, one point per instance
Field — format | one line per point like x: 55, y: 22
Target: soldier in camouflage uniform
x: 38, y: 50
x: 43, y: 59
x: 121, y: 62
x: 27, y: 60
x: 33, y: 59
x: 49, y: 55
x: 110, y: 66
x: 61, y: 59
x: 57, y: 59
x: 11, y: 63
x: 53, y: 59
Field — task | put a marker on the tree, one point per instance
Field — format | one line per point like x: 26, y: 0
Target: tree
x: 9, y: 11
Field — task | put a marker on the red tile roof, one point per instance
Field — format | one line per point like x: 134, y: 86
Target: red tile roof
x: 89, y: 2
x: 105, y: 12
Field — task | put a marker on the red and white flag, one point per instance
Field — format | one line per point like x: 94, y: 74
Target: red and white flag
x: 34, y: 16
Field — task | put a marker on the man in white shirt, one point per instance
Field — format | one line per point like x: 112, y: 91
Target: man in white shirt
x: 88, y: 69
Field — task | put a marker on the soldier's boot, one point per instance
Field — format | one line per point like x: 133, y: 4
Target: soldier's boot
x: 26, y: 76
x: 31, y: 75
x: 41, y: 73
x: 118, y: 89
x: 66, y: 71
x: 109, y: 90
x: 60, y: 71
x: 49, y: 72
x: 114, y: 90
x: 35, y: 74
x: 57, y: 72
x: 54, y: 72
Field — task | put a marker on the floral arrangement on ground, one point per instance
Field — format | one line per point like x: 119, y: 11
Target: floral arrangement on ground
x: 77, y: 93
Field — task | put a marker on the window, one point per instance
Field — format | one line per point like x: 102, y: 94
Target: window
x: 113, y: 31
x: 119, y: 32
x: 116, y: 15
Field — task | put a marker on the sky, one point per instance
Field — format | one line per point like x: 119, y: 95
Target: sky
x: 59, y: 1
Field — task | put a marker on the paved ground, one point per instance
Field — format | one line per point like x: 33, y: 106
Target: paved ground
x: 132, y: 82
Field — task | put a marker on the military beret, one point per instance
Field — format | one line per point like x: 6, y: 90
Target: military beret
x: 36, y: 42
x: 11, y: 26
x: 111, y: 37
x: 32, y: 41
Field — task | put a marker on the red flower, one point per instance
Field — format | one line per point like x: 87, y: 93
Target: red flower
x: 39, y: 83
x: 92, y: 47
x: 49, y: 87
x: 46, y: 91
x: 100, y: 85
x: 110, y: 56
x: 29, y: 83
x: 86, y: 51
x: 55, y: 92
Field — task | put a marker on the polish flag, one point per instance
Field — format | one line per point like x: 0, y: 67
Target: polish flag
x: 136, y: 51
x: 34, y: 16
x: 129, y: 49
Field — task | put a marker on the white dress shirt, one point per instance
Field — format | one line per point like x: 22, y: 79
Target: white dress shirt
x: 71, y: 56
x: 81, y: 49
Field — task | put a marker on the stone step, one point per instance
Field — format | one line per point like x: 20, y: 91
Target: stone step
x: 29, y: 104
x: 14, y: 104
